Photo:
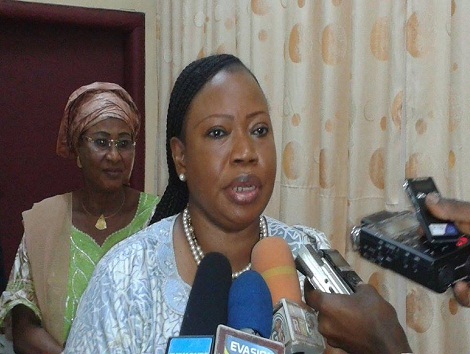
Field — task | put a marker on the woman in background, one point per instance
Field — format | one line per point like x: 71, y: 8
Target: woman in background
x: 66, y: 235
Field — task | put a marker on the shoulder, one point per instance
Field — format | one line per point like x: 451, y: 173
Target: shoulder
x: 54, y: 207
x: 149, y: 198
x: 138, y: 267
x: 56, y: 200
x: 297, y: 235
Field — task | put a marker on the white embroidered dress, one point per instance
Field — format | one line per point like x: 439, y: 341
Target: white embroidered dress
x: 136, y: 299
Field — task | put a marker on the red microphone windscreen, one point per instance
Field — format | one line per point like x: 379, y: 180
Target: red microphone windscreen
x: 273, y: 259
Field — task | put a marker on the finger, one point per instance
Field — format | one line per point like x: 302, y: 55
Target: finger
x: 307, y: 285
x: 463, y: 226
x: 448, y: 209
x: 313, y: 297
x: 364, y: 287
x: 332, y: 346
x: 462, y: 293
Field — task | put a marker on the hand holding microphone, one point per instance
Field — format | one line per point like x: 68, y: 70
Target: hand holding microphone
x: 363, y: 322
x: 351, y: 315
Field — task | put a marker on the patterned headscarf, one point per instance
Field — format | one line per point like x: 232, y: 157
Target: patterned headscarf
x: 90, y: 105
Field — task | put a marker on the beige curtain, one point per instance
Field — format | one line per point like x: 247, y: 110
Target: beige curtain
x: 362, y: 94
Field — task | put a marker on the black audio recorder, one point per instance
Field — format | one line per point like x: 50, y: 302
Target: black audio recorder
x: 395, y: 240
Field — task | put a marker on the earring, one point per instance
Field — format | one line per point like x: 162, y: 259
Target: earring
x: 182, y: 177
x: 79, y: 164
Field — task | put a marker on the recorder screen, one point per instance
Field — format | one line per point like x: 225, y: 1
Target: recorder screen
x: 399, y: 225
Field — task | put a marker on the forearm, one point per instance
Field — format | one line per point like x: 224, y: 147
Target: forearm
x: 28, y: 334
x: 393, y: 342
x: 36, y: 340
x: 363, y: 322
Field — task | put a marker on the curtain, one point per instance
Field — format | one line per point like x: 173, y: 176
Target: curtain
x: 362, y: 94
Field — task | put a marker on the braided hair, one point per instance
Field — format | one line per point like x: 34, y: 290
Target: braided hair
x: 191, y: 80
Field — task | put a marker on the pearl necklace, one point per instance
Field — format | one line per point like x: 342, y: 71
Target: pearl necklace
x: 196, y: 249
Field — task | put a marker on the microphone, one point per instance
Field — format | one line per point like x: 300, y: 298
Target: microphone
x: 327, y: 270
x: 250, y: 308
x: 272, y: 258
x: 207, y: 307
x: 250, y: 317
x: 294, y: 323
x: 208, y: 299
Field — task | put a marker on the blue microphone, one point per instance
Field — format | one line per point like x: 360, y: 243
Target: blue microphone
x: 250, y: 306
x: 233, y: 311
x: 250, y: 317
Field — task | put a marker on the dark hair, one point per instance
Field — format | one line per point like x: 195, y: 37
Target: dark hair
x: 191, y: 80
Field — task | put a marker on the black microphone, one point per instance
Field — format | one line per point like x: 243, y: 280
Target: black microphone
x: 207, y: 307
x: 250, y: 318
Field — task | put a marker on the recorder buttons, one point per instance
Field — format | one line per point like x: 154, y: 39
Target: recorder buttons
x: 445, y: 276
x: 467, y: 266
x: 394, y: 242
x: 462, y: 241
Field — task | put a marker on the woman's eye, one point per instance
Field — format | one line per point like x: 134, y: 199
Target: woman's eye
x: 261, y: 131
x: 124, y: 143
x: 217, y: 133
x: 102, y: 143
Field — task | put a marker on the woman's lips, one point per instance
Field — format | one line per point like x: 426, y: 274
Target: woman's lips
x: 241, y: 189
x: 244, y: 189
x: 113, y: 173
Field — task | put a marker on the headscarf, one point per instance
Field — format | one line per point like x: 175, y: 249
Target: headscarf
x: 89, y: 105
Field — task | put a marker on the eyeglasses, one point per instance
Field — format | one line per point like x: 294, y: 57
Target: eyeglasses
x: 104, y: 144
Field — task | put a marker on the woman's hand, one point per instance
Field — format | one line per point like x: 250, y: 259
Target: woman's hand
x: 462, y: 293
x: 459, y: 212
x: 363, y: 322
x: 29, y: 336
x: 450, y: 209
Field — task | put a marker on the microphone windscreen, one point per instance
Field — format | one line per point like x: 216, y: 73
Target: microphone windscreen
x: 272, y: 258
x: 250, y: 305
x: 207, y: 305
